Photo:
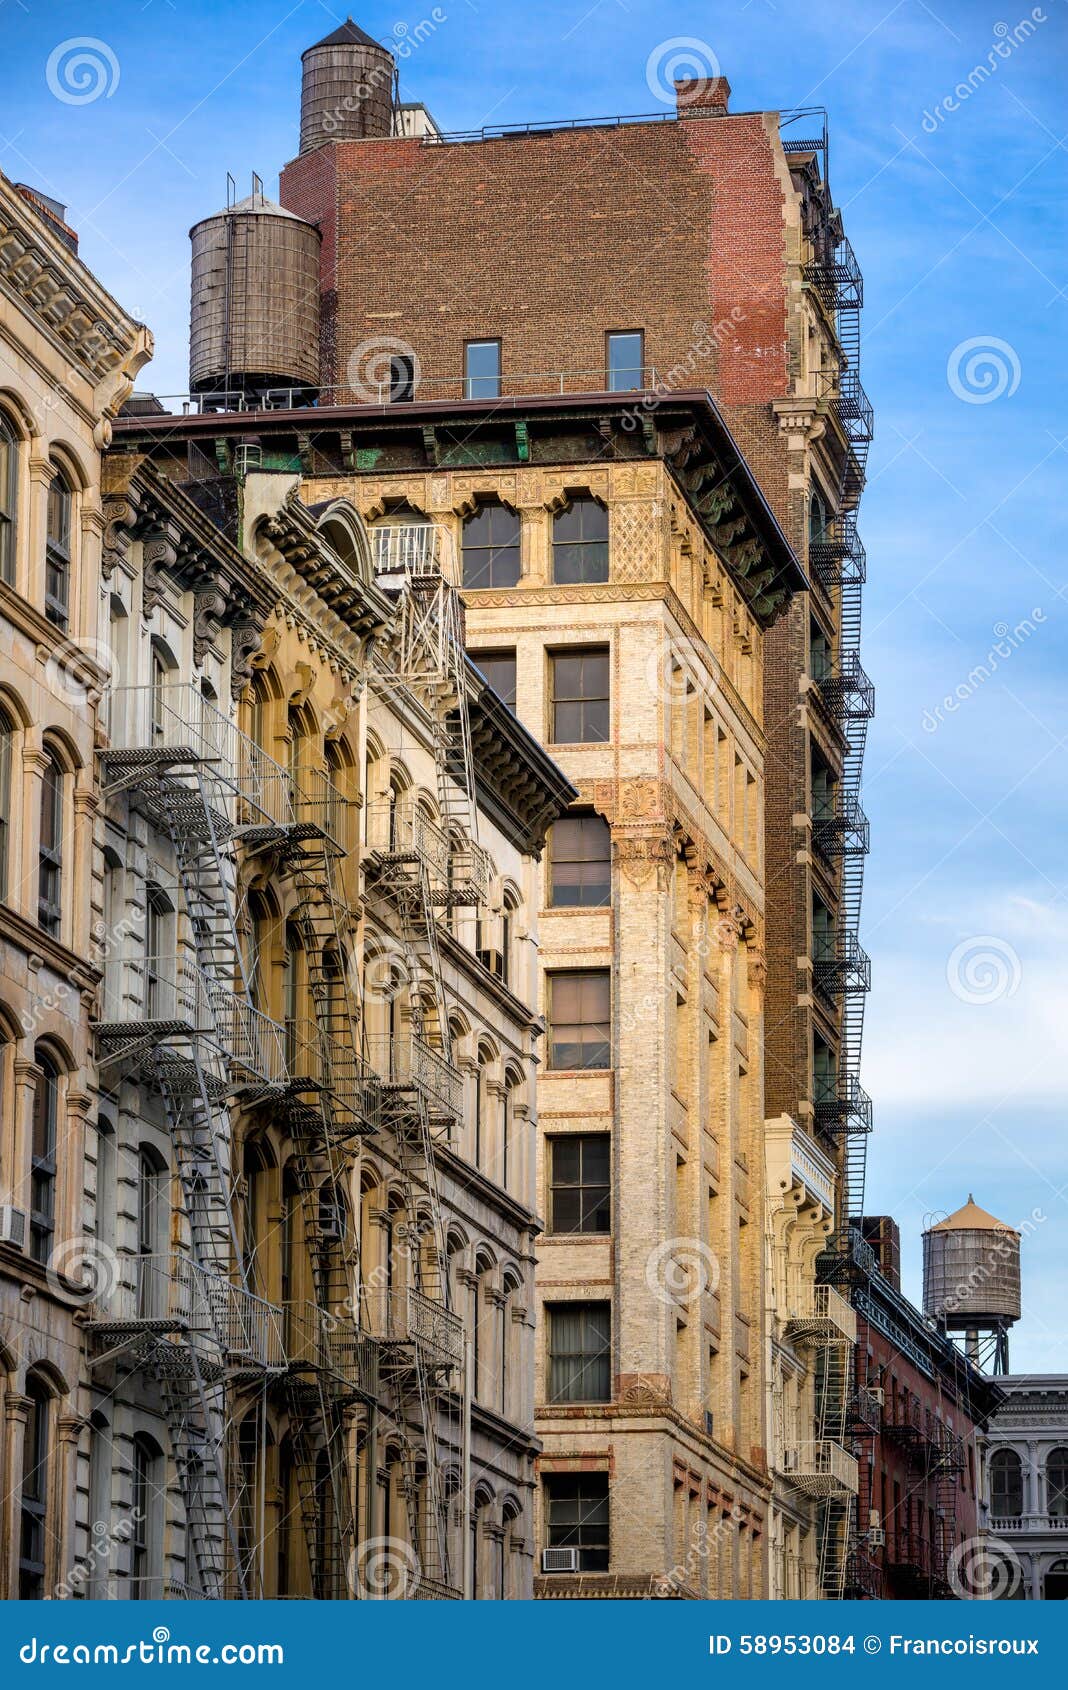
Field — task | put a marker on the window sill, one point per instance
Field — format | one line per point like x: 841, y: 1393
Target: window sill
x: 576, y: 1238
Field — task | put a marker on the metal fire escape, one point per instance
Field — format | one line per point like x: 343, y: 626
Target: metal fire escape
x: 918, y: 1550
x: 417, y: 868
x: 837, y: 560
x: 184, y: 1026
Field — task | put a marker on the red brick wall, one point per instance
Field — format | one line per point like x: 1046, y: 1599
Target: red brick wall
x: 548, y: 241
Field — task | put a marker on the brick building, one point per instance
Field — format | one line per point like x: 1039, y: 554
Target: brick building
x: 920, y: 1408
x: 701, y: 251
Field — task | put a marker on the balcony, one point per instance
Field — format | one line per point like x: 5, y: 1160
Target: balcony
x: 844, y: 830
x: 149, y: 1001
x: 844, y: 689
x: 413, y: 553
x: 840, y: 964
x: 818, y: 1314
x: 1009, y: 1525
x: 865, y: 1410
x: 408, y: 1068
x: 413, y: 1322
x: 842, y: 1107
x: 188, y: 1307
x: 821, y: 1467
x: 794, y: 1160
x: 406, y: 847
x: 330, y: 1345
x: 156, y: 729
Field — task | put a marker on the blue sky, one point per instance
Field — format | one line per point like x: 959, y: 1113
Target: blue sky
x: 958, y: 218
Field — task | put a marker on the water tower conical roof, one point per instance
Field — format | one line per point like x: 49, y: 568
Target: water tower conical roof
x: 971, y: 1218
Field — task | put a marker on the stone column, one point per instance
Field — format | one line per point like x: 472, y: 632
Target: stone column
x: 25, y: 891
x: 69, y: 1428
x: 16, y: 1413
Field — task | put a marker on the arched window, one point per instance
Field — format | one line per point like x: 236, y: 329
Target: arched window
x: 7, y: 743
x: 146, y: 1538
x: 257, y: 1230
x: 50, y: 873
x: 1006, y: 1485
x: 1057, y: 1484
x: 580, y: 542
x: 33, y: 1500
x: 491, y: 547
x: 58, y: 549
x: 510, y: 1285
x: 163, y: 669
x: 43, y: 1157
x: 9, y: 497
x: 511, y: 1164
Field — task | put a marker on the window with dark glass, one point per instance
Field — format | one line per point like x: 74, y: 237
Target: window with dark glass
x: 491, y: 547
x: 57, y: 551
x: 401, y: 379
x: 821, y: 655
x: 499, y: 668
x: 482, y: 369
x: 579, y: 1188
x: 1057, y: 1484
x: 579, y: 1011
x: 580, y: 862
x: 580, y: 696
x: 9, y: 492
x: 145, y: 1520
x: 580, y: 1358
x: 7, y: 739
x: 626, y: 360
x: 817, y: 520
x: 580, y: 543
x: 33, y: 1501
x: 1006, y: 1484
x: 577, y: 1516
x: 43, y: 1158
x: 50, y: 854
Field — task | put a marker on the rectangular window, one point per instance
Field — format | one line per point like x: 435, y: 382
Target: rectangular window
x: 579, y: 1186
x: 499, y: 668
x: 57, y: 553
x: 580, y: 696
x: 401, y: 379
x: 43, y: 1166
x: 580, y: 543
x: 580, y: 1358
x: 34, y: 1498
x: 50, y: 857
x: 482, y: 369
x: 626, y: 361
x: 580, y: 863
x: 579, y: 1012
x: 577, y: 1517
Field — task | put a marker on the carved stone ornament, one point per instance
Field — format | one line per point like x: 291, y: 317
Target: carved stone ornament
x: 245, y: 638
x: 209, y: 608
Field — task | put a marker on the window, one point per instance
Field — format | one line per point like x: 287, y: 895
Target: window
x: 626, y: 359
x: 580, y: 543
x: 152, y: 1235
x: 579, y: 1352
x: 7, y: 741
x: 49, y: 911
x: 57, y: 551
x: 580, y: 713
x: 580, y: 863
x: 817, y: 520
x: 579, y: 1183
x: 1006, y: 1485
x: 401, y: 379
x: 146, y: 1534
x: 1057, y: 1484
x: 577, y: 1516
x: 579, y: 1009
x: 162, y: 670
x: 34, y: 1497
x: 821, y: 656
x: 156, y: 912
x: 499, y: 668
x: 43, y: 1157
x: 9, y: 494
x: 491, y: 547
x: 482, y: 369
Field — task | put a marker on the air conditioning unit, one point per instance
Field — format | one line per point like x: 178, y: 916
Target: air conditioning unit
x: 559, y: 1560
x: 876, y: 1537
x: 790, y: 1461
x: 877, y: 1394
x: 13, y: 1226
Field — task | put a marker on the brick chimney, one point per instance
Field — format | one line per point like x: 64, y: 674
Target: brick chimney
x: 702, y: 96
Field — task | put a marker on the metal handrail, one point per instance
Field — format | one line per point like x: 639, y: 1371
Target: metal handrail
x: 414, y: 550
x: 809, y: 1305
x: 406, y: 1060
x: 172, y: 990
x: 522, y: 384
x: 173, y: 1294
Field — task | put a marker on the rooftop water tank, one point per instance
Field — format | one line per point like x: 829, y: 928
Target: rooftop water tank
x: 255, y: 300
x: 348, y: 89
x: 971, y: 1271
